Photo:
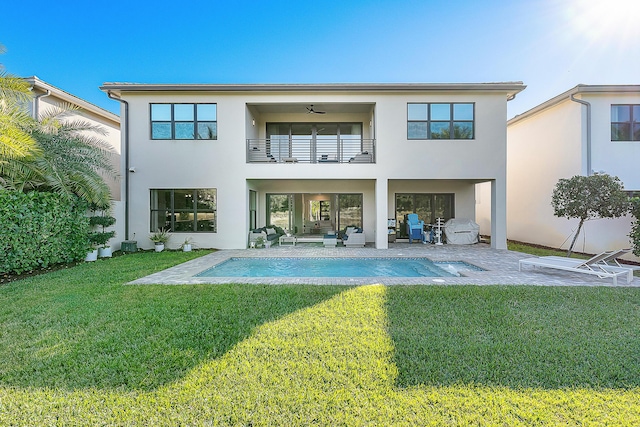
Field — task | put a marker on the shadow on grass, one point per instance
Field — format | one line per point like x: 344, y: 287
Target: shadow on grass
x: 73, y: 329
x: 516, y: 336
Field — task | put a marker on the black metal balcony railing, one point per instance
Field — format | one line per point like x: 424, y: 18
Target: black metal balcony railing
x: 299, y: 150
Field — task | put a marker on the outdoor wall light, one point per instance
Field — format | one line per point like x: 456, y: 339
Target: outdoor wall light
x: 132, y: 170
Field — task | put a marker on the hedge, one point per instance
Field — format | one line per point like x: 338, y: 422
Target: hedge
x: 39, y: 229
x: 635, y: 227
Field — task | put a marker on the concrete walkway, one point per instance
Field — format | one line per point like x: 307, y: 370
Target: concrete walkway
x: 501, y: 267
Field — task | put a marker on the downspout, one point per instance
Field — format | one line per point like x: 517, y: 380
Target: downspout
x: 36, y: 103
x: 126, y: 163
x: 580, y: 101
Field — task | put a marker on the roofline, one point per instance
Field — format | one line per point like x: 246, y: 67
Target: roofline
x: 36, y: 83
x: 511, y: 88
x: 566, y: 96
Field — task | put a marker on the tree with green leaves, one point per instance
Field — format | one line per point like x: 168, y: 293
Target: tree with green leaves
x: 589, y: 197
x: 635, y: 226
x: 73, y: 159
x: 16, y: 123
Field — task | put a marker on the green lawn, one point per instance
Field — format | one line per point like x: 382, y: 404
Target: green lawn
x: 78, y: 347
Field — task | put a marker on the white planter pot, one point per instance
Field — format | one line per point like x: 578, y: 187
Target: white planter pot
x: 159, y: 247
x: 104, y: 252
x: 92, y: 255
x: 186, y: 247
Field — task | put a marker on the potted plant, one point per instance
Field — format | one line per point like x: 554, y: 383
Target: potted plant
x: 92, y: 248
x: 259, y: 242
x: 100, y: 238
x: 159, y: 239
x: 187, y: 245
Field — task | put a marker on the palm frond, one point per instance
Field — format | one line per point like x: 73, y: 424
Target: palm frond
x: 14, y: 88
x: 15, y: 138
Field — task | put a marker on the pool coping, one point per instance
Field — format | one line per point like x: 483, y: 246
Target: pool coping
x: 500, y: 268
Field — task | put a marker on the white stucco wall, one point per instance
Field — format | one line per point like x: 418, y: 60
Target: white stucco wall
x: 552, y: 144
x: 438, y: 165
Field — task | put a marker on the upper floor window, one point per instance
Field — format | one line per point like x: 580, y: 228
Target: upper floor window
x: 440, y: 121
x: 625, y: 122
x: 184, y: 121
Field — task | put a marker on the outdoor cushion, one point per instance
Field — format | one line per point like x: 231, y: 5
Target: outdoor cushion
x: 270, y: 231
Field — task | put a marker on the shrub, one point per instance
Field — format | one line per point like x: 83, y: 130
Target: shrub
x: 635, y: 227
x: 38, y: 229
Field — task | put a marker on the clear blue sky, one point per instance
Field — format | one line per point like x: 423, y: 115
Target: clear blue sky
x: 550, y: 45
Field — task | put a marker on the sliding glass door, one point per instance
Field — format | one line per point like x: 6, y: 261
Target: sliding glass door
x: 314, y: 142
x: 427, y: 206
x: 281, y: 210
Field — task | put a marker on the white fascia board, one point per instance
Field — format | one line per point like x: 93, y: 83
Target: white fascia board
x: 36, y: 83
x: 509, y: 88
x: 564, y: 96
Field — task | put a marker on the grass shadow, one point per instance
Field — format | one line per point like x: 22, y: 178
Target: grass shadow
x: 81, y: 328
x: 516, y: 336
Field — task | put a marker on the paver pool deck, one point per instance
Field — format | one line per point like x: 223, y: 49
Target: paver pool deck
x: 501, y: 267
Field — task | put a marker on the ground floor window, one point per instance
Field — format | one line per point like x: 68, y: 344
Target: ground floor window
x: 184, y: 210
x: 428, y: 206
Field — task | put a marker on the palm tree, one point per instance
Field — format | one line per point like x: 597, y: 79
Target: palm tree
x: 16, y: 140
x: 72, y: 160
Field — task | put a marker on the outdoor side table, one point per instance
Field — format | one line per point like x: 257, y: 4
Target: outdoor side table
x: 287, y: 239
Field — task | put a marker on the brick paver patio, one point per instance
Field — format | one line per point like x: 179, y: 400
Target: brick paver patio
x: 501, y: 267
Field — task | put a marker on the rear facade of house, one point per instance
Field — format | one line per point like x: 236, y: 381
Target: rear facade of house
x: 212, y: 162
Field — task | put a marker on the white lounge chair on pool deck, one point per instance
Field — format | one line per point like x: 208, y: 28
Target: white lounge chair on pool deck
x: 599, y: 265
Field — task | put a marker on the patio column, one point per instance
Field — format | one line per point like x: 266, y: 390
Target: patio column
x: 499, y: 214
x: 382, y: 195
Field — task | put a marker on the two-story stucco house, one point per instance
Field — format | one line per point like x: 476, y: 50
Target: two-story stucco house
x: 213, y: 161
x: 585, y: 130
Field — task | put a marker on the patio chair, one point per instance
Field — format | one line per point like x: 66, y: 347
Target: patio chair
x: 354, y: 238
x: 415, y: 228
x: 595, y: 266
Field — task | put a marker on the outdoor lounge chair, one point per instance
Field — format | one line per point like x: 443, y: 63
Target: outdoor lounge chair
x: 596, y: 265
x: 610, y: 263
x: 415, y: 228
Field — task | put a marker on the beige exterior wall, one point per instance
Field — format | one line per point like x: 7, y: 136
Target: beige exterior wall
x: 402, y: 165
x: 48, y: 97
x: 551, y: 144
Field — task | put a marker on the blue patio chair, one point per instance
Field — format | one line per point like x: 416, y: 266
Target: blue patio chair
x: 415, y: 228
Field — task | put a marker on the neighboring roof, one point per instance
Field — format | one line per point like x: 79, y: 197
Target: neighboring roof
x: 574, y: 91
x: 510, y: 88
x: 36, y: 83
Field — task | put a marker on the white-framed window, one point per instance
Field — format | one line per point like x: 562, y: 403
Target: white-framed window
x: 440, y: 120
x: 184, y: 121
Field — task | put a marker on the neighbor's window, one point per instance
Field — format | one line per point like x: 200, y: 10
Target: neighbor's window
x: 184, y: 121
x: 440, y: 121
x: 184, y: 210
x: 625, y: 122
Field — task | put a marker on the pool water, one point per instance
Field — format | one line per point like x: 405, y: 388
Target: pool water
x: 336, y: 267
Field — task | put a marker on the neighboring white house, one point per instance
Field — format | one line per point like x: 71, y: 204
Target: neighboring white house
x: 585, y: 130
x: 211, y: 161
x: 47, y: 97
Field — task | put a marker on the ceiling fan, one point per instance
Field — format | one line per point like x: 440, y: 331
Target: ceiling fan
x: 310, y: 110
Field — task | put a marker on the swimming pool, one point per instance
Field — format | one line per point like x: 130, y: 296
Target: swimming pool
x: 337, y: 267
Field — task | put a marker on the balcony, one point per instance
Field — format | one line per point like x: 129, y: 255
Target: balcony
x: 311, y: 150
